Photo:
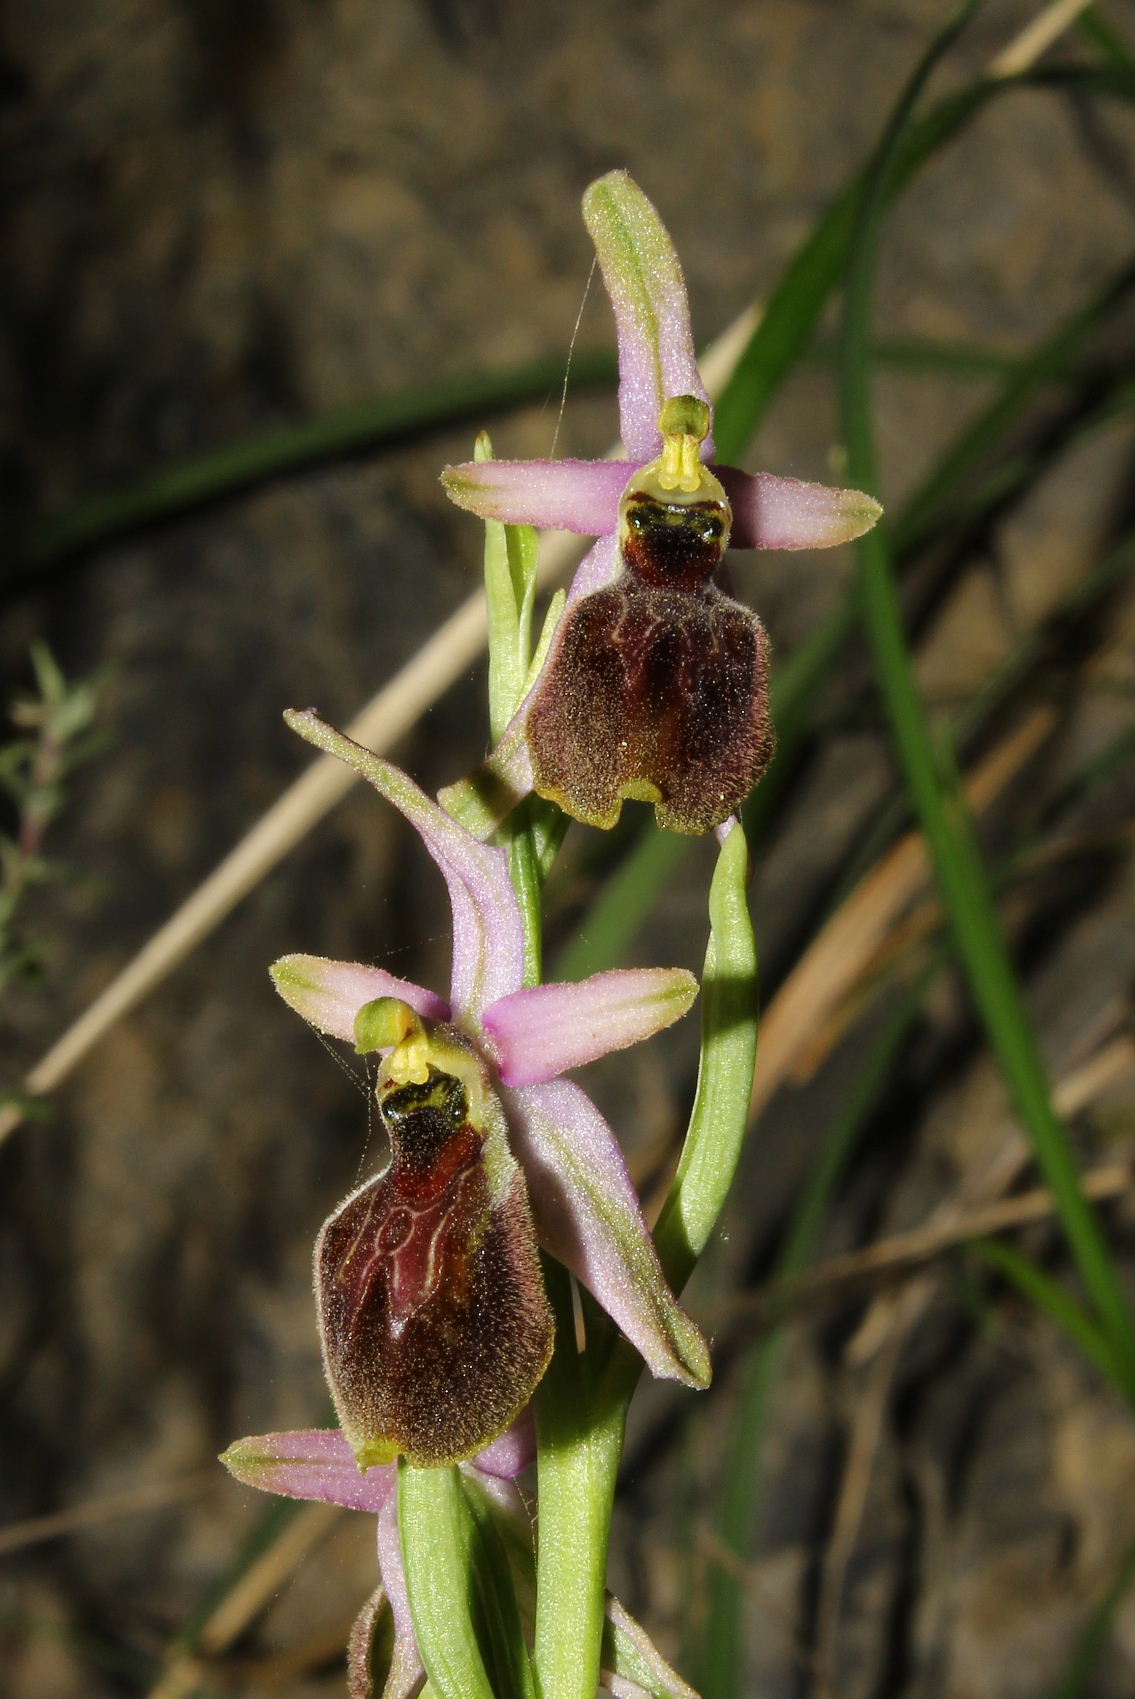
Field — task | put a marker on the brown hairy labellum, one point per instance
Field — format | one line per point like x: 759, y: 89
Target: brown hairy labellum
x: 657, y: 688
x: 435, y: 1325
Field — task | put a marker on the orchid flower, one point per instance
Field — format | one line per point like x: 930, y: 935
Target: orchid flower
x: 656, y: 683
x: 434, y: 1321
x: 317, y: 1464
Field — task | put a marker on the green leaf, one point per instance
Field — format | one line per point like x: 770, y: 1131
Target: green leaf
x: 580, y: 1440
x: 498, y: 1613
x: 629, y: 1653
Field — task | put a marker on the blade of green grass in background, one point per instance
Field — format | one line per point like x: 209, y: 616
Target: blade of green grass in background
x: 1103, y: 35
x: 1048, y: 1295
x: 722, y: 1660
x: 923, y: 356
x: 634, y: 889
x: 720, y: 1648
x: 971, y: 446
x: 383, y: 422
x: 941, y: 808
x: 1084, y: 597
x: 794, y: 306
x: 779, y: 341
x: 1092, y: 1642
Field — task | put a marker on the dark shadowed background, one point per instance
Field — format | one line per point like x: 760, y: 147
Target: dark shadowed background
x: 223, y: 219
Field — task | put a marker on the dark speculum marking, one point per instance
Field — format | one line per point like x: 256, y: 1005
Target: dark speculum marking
x: 435, y: 1324
x: 660, y: 694
x: 673, y: 545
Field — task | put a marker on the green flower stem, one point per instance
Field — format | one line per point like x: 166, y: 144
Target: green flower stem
x: 438, y: 1552
x: 720, y: 1114
x: 578, y: 1451
x: 510, y: 592
x: 580, y: 1442
x: 580, y: 1413
x: 511, y: 553
x: 945, y: 819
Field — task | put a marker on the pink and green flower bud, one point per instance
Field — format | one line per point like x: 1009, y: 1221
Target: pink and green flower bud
x: 434, y: 1321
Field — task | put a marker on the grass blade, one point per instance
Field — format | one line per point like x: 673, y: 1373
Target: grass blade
x: 362, y: 428
x: 941, y: 809
x: 1050, y: 1296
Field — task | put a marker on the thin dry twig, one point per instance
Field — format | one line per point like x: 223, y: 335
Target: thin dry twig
x: 846, y: 947
x: 878, y: 1344
x: 248, y: 1596
x: 1011, y: 1155
x: 1037, y: 37
x: 851, y: 1503
x: 900, y: 1252
x: 18, y: 1536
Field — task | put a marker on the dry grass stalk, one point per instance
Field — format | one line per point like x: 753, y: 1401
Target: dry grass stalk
x: 844, y: 952
x: 17, y: 1536
x: 247, y: 1597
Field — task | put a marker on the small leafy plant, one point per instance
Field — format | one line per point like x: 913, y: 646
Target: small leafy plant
x: 54, y: 736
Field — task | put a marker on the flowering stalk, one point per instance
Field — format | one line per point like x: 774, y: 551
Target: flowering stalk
x: 581, y: 1409
x: 440, y: 1319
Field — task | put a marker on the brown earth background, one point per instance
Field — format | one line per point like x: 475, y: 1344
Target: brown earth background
x: 220, y: 219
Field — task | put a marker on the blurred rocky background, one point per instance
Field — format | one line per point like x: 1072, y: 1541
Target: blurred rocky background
x: 220, y: 220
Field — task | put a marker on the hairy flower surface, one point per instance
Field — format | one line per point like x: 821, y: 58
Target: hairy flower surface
x: 656, y: 685
x: 434, y: 1322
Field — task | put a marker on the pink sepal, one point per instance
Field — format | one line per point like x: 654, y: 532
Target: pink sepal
x: 313, y: 1463
x: 588, y: 1216
x: 540, y: 1032
x: 330, y: 994
x: 785, y: 513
